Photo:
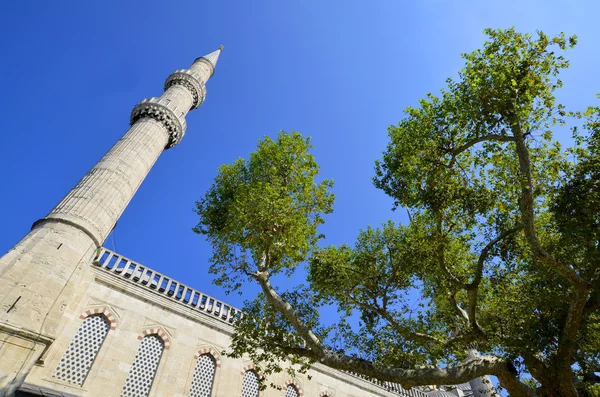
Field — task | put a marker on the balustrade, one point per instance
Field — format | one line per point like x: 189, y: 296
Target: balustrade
x: 147, y: 278
x: 156, y: 282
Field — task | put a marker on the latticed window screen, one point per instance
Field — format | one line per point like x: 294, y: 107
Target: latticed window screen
x: 250, y: 384
x: 291, y: 391
x: 77, y: 361
x: 143, y: 369
x: 202, y: 382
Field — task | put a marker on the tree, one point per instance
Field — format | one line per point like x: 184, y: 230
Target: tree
x: 501, y: 253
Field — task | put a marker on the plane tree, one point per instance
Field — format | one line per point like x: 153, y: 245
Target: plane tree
x: 501, y: 254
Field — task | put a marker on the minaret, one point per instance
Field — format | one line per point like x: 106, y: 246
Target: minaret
x: 38, y: 276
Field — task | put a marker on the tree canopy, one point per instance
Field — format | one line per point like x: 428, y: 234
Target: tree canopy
x: 502, y: 249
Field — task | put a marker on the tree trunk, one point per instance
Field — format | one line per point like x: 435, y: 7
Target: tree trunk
x: 557, y: 385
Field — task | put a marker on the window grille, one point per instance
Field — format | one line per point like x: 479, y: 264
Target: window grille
x: 140, y: 378
x: 291, y: 391
x: 202, y: 382
x: 77, y: 361
x: 250, y: 384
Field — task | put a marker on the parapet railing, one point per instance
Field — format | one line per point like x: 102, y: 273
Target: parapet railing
x: 156, y: 282
x: 389, y: 386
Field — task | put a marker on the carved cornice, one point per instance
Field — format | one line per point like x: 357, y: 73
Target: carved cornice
x: 190, y: 80
x: 163, y: 111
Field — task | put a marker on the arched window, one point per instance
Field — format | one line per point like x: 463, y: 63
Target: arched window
x: 77, y: 361
x: 204, y: 376
x: 291, y: 391
x: 142, y: 372
x: 250, y: 384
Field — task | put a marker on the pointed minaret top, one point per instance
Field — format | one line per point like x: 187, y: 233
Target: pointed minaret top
x: 213, y: 57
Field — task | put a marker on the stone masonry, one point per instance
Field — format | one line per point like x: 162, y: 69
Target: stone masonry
x: 39, y: 276
x: 139, y: 301
x: 77, y: 319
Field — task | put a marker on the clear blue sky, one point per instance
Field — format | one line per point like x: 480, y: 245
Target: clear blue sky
x: 339, y: 71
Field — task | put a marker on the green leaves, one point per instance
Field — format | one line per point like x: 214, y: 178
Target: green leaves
x: 263, y: 213
x: 576, y: 206
x: 453, y: 161
x: 503, y: 220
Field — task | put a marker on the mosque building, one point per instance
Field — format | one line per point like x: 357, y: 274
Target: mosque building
x: 77, y: 319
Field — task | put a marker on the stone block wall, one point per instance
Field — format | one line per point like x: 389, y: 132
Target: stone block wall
x: 188, y: 328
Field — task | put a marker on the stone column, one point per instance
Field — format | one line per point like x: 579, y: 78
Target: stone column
x: 38, y: 275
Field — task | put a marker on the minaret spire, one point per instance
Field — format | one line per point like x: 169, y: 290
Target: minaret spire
x: 39, y: 275
x: 157, y: 123
x: 212, y: 58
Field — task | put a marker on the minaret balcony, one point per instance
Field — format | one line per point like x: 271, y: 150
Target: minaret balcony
x: 190, y: 80
x: 166, y: 112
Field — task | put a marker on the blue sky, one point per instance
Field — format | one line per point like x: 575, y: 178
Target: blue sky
x: 339, y: 71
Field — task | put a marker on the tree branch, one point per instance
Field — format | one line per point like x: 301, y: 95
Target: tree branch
x: 407, y: 333
x: 528, y: 216
x: 489, y: 137
x: 581, y: 288
x: 288, y: 312
x: 459, y: 310
x: 441, y: 256
x: 317, y: 352
x: 473, y: 287
x: 408, y: 378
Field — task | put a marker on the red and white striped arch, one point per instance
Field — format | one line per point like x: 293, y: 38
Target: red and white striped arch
x: 157, y: 331
x: 209, y: 350
x: 251, y: 367
x: 106, y: 312
x: 294, y: 383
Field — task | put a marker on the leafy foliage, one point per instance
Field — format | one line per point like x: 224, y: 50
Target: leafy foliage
x: 501, y: 255
x: 264, y: 211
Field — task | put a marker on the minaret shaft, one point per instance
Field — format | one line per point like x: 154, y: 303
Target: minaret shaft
x: 39, y: 275
x: 98, y: 200
x: 101, y: 196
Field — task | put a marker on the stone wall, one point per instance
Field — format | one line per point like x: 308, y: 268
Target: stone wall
x: 136, y: 301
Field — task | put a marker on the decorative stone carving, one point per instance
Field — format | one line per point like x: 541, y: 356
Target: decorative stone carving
x: 190, y: 80
x: 291, y: 391
x: 251, y: 367
x: 163, y: 111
